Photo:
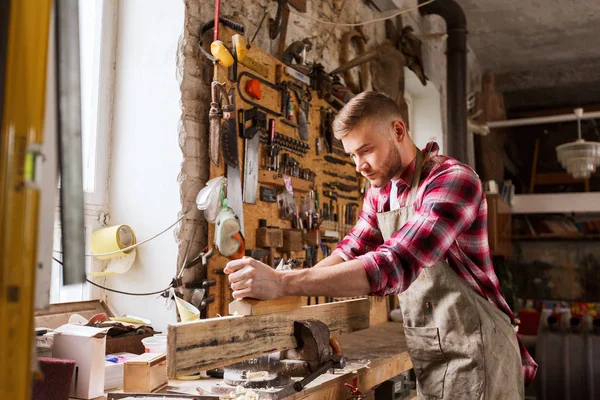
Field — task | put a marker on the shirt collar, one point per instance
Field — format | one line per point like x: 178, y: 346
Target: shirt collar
x: 431, y: 150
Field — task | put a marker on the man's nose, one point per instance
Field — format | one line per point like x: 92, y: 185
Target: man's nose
x: 360, y: 164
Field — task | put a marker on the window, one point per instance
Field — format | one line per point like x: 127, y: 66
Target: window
x: 425, y: 111
x: 97, y: 40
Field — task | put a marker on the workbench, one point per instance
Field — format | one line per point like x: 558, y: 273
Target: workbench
x: 374, y: 355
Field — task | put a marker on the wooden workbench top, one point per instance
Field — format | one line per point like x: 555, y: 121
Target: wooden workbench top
x: 374, y: 356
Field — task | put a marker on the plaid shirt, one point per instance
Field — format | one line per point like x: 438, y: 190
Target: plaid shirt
x: 450, y: 222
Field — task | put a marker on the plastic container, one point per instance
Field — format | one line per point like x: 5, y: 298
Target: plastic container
x: 155, y: 344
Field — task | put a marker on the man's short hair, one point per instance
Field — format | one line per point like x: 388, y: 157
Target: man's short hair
x: 365, y: 106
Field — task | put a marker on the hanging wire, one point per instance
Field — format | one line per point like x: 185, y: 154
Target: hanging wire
x: 133, y: 246
x: 121, y: 291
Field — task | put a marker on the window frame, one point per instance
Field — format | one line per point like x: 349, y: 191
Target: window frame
x: 98, y: 153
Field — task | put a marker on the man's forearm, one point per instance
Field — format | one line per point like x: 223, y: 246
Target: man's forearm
x: 342, y: 280
x: 328, y: 261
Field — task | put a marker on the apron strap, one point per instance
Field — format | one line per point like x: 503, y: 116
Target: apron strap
x: 414, y: 188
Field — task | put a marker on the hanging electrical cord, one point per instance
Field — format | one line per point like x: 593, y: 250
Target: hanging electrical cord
x: 133, y: 246
x: 407, y: 10
x: 120, y: 291
x: 179, y: 274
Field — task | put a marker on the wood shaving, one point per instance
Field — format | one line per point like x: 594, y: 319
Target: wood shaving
x: 241, y: 393
x: 257, y: 375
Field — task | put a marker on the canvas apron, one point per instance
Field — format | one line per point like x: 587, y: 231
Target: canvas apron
x: 462, y: 346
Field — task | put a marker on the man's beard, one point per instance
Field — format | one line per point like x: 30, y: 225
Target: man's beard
x: 390, y: 168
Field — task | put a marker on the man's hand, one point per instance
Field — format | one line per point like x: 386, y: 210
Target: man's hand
x: 251, y: 278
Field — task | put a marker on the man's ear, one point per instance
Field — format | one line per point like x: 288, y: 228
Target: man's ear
x: 399, y: 130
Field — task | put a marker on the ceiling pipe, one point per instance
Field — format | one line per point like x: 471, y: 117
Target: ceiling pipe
x: 456, y: 76
x: 541, y: 120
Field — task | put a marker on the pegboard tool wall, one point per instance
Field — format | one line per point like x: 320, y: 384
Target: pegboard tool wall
x: 264, y: 62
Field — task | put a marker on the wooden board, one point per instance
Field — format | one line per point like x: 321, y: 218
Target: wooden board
x: 58, y: 314
x: 264, y: 65
x: 262, y: 307
x: 215, y: 342
x: 374, y: 356
x: 379, y: 310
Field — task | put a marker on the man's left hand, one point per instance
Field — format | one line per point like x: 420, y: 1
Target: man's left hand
x: 251, y: 278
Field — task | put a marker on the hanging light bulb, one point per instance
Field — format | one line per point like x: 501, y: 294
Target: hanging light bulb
x: 580, y: 158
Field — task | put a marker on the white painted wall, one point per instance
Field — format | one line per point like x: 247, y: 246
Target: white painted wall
x: 425, y: 112
x: 146, y: 158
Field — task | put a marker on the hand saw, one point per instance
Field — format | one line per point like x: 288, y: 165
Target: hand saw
x: 234, y: 184
x: 258, y: 120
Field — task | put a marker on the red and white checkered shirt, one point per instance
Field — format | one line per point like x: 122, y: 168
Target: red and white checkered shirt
x: 450, y: 222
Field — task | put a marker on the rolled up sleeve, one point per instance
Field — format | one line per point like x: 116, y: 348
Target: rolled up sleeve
x: 449, y: 205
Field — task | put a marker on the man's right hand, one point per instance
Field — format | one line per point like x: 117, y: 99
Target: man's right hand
x: 251, y: 278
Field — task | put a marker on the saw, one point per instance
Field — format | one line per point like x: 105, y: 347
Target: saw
x: 230, y: 154
x: 251, y: 122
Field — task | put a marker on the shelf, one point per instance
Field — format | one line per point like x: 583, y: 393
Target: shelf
x: 551, y: 236
x: 557, y: 203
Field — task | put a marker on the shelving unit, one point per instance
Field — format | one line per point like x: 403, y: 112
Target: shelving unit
x: 557, y: 203
x: 549, y: 237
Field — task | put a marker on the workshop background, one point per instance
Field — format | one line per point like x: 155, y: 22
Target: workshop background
x: 526, y: 60
x: 179, y: 75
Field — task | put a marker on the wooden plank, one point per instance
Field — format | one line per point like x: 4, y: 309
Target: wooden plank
x: 556, y: 178
x: 58, y: 314
x: 374, y: 356
x: 261, y: 307
x: 556, y: 203
x: 379, y: 310
x: 215, y: 342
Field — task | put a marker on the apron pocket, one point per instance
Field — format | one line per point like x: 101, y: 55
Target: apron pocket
x: 429, y: 361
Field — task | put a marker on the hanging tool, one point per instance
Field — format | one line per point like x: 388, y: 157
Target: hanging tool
x: 357, y: 38
x: 337, y: 160
x: 335, y: 195
x: 239, y: 49
x: 337, y: 175
x: 272, y: 148
x: 297, y: 52
x: 340, y: 186
x: 219, y: 54
x: 228, y: 238
x: 287, y: 143
x: 258, y: 121
x: 217, y: 90
x: 230, y: 140
x: 326, y: 130
x: 304, y: 98
x: 264, y: 82
x: 253, y: 89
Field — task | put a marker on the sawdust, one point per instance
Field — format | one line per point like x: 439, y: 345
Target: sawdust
x: 257, y: 375
x: 241, y: 393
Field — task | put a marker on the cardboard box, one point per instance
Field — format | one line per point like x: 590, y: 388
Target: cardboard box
x: 86, y: 346
x: 145, y: 373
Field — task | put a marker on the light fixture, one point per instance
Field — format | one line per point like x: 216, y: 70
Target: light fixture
x: 580, y: 158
